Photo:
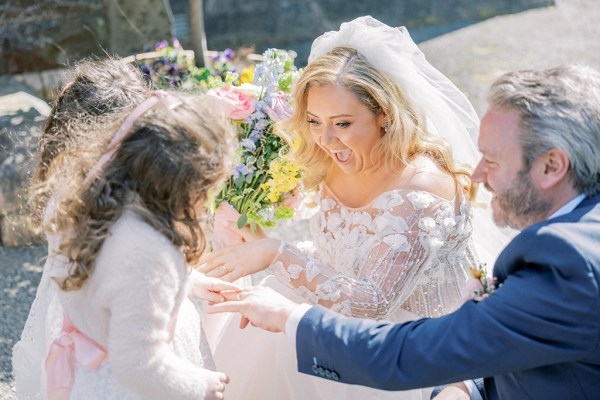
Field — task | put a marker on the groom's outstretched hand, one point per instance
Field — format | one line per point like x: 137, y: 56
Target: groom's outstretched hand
x: 260, y: 306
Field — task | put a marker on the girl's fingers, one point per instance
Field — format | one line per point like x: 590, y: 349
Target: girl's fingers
x: 213, y: 297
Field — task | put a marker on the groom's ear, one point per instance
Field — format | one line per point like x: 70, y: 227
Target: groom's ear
x: 553, y: 168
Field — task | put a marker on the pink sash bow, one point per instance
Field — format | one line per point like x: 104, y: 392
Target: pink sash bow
x: 71, y: 345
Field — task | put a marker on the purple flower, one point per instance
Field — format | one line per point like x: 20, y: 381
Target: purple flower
x: 255, y: 135
x: 228, y: 53
x: 176, y: 44
x: 248, y: 144
x: 256, y: 115
x: 242, y: 169
x: 277, y: 107
x: 163, y: 44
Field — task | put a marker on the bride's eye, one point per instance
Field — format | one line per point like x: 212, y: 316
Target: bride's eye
x: 313, y: 122
x: 343, y: 124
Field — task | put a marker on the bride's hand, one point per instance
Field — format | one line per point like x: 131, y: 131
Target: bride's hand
x: 239, y: 260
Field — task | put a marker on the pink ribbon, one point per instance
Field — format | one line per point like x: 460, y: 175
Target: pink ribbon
x: 71, y: 345
x: 168, y: 101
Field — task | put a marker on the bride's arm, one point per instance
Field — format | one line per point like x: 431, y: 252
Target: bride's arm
x: 396, y: 262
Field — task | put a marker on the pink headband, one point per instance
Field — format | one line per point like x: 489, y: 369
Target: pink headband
x: 169, y: 101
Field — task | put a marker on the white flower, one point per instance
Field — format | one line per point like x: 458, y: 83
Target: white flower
x: 312, y: 270
x: 387, y: 201
x: 387, y: 223
x: 426, y: 224
x: 430, y: 243
x: 420, y: 200
x: 334, y: 222
x: 397, y: 242
x: 328, y: 291
x: 448, y: 223
x: 295, y: 270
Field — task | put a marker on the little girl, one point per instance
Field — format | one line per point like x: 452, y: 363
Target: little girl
x: 126, y: 216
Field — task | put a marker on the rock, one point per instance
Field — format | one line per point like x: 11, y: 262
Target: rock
x: 21, y: 119
x: 37, y: 35
x: 16, y: 231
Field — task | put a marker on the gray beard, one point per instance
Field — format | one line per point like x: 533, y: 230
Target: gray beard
x: 521, y: 205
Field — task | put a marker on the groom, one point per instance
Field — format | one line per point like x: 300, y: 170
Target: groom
x: 538, y: 335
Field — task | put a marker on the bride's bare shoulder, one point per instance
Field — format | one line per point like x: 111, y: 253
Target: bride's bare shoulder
x: 423, y: 174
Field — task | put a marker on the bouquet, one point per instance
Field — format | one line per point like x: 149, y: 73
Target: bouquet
x: 172, y: 67
x: 264, y: 186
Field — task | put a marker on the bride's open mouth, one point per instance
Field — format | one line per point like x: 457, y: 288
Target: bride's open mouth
x: 342, y: 156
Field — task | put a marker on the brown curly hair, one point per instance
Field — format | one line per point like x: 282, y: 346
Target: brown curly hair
x: 96, y: 88
x: 163, y: 170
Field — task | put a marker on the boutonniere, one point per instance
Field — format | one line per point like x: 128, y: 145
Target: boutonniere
x: 480, y: 286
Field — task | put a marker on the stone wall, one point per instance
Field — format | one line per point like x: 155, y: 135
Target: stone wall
x: 37, y: 35
x: 294, y: 24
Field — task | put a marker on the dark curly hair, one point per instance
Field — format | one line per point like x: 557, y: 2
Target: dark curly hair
x: 97, y: 88
x: 163, y: 170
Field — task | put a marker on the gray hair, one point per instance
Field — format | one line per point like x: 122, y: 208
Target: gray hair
x: 559, y: 108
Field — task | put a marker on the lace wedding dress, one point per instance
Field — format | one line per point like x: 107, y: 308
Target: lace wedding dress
x: 403, y: 256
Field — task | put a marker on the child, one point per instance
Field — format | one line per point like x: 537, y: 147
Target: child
x: 125, y: 221
x: 97, y: 89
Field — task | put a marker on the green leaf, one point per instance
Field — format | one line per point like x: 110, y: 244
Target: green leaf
x: 241, y: 222
x: 239, y: 181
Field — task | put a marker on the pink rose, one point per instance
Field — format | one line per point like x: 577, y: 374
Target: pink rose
x: 277, y: 107
x: 235, y: 104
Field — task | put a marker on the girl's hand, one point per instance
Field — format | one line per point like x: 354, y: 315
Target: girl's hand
x: 207, y: 288
x: 239, y: 260
x: 214, y: 384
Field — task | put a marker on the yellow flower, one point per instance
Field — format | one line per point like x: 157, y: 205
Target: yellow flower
x: 247, y: 75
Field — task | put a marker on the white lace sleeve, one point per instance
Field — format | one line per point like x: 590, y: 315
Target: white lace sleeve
x: 399, y: 249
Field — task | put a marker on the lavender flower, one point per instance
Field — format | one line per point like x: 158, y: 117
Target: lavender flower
x: 163, y: 44
x: 248, y: 144
x: 242, y: 169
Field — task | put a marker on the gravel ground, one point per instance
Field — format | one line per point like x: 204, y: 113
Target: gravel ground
x: 21, y: 269
x: 472, y: 57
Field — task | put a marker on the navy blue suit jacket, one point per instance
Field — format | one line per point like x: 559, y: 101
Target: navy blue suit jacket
x: 536, y: 337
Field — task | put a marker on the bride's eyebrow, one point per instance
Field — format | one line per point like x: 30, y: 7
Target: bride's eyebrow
x: 332, y: 117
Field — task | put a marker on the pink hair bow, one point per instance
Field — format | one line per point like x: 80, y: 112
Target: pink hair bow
x: 168, y: 101
x: 71, y: 345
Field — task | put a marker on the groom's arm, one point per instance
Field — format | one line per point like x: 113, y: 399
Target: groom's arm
x: 538, y: 312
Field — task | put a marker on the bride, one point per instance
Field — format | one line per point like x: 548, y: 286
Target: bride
x: 381, y: 134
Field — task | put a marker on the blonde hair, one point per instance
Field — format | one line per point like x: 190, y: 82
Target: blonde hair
x: 406, y: 135
x: 163, y: 170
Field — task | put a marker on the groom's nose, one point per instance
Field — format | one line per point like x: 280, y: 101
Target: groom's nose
x: 478, y: 174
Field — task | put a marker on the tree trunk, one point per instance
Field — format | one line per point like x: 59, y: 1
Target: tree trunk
x: 197, y: 33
